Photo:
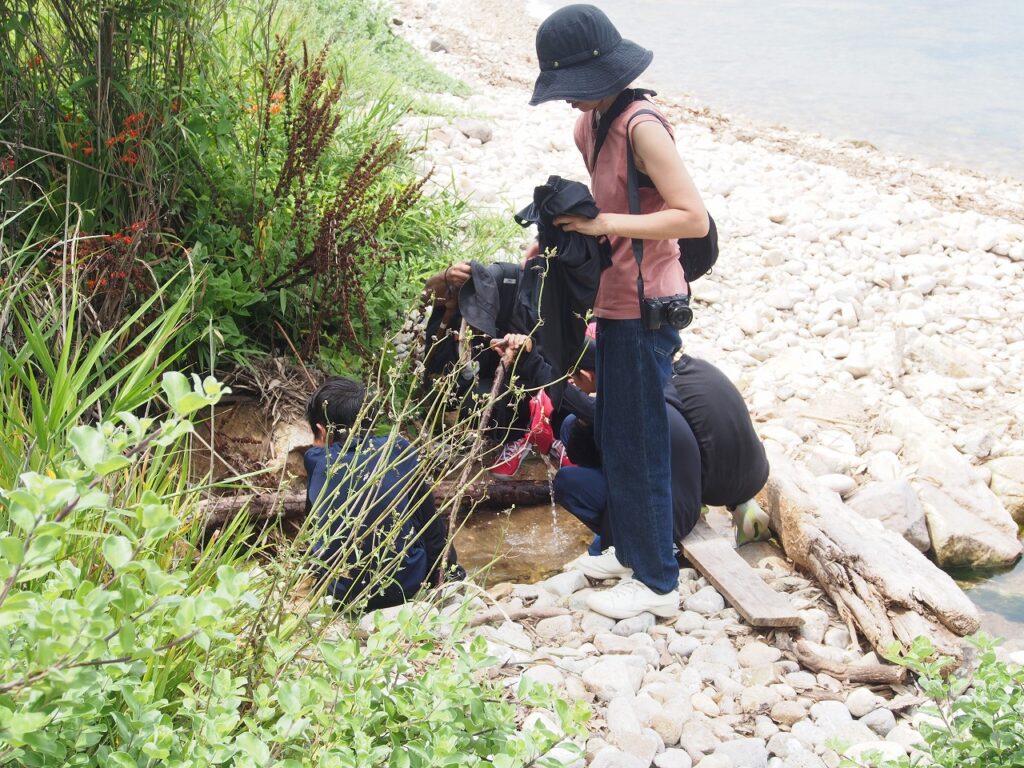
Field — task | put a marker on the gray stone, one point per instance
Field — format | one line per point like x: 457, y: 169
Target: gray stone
x: 815, y: 624
x: 717, y: 760
x: 808, y: 734
x: 940, y: 465
x: 673, y: 758
x: 860, y: 701
x: 669, y: 720
x: 438, y: 46
x: 748, y: 753
x: 512, y: 635
x: 705, y: 601
x: 554, y: 628
x: 639, y: 623
x: 788, y: 712
x: 689, y: 621
x: 475, y: 129
x: 1008, y: 484
x: 697, y: 738
x: 764, y: 728
x: 614, y: 676
x: 592, y: 623
x: 802, y: 681
x: 756, y: 654
x: 896, y: 506
x: 683, y: 646
x: 960, y: 538
x: 621, y: 715
x: 832, y: 714
x: 616, y: 758
x: 881, y: 721
x: 544, y: 673
x: 642, y: 746
x: 606, y: 642
x: 837, y: 637
x: 803, y: 759
x: 905, y: 736
x: 566, y: 583
x: 783, y: 743
x: 758, y: 699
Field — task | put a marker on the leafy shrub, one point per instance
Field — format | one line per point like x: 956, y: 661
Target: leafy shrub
x: 976, y: 716
x: 128, y: 637
x: 200, y: 141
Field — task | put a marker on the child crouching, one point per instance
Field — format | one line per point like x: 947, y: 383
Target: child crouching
x: 378, y: 536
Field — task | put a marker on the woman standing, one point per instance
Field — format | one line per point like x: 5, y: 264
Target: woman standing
x: 585, y: 61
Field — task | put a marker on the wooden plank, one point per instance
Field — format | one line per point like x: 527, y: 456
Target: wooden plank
x: 717, y: 561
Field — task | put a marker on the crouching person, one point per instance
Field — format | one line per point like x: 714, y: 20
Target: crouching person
x: 716, y: 457
x: 377, y: 537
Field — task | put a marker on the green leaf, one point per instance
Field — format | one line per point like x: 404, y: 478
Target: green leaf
x: 118, y: 551
x: 121, y: 760
x: 12, y: 550
x: 89, y: 444
x: 254, y: 748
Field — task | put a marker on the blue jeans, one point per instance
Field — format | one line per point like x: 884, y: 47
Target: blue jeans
x: 633, y: 367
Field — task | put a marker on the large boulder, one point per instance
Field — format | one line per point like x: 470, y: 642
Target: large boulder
x: 962, y: 539
x: 1008, y: 484
x: 967, y: 523
x: 896, y: 506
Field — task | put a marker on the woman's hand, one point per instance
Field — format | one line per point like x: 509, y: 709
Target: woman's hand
x: 509, y: 346
x: 601, y: 225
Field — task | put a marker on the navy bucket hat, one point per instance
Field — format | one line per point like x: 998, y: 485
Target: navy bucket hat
x: 583, y: 57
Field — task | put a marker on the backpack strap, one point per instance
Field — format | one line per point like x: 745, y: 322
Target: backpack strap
x: 633, y: 195
x: 625, y: 98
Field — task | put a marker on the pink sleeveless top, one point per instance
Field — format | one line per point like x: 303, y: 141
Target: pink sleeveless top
x: 663, y: 274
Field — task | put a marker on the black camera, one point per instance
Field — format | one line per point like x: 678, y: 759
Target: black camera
x: 666, y: 310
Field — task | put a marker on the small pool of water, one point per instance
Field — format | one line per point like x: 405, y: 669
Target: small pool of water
x: 999, y: 597
x: 522, y: 546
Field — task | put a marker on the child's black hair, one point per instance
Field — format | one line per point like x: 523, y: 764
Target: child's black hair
x: 335, y: 405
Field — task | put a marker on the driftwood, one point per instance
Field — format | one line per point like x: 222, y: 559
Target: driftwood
x: 540, y: 612
x: 876, y: 579
x: 860, y: 672
x: 292, y: 506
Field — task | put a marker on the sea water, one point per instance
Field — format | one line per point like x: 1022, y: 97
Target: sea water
x: 940, y: 80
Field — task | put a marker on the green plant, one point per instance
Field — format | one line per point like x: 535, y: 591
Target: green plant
x: 975, y: 716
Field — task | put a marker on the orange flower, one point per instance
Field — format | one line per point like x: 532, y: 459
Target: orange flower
x: 87, y: 151
x: 112, y: 141
x: 275, y: 108
x: 277, y: 96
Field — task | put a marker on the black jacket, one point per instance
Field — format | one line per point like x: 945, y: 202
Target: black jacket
x: 562, y: 289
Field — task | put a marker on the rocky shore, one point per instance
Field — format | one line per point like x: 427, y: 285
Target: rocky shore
x: 867, y: 305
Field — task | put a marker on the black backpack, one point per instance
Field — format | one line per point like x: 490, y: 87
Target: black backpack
x: 697, y: 254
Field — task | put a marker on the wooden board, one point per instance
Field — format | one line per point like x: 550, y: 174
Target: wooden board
x: 717, y: 561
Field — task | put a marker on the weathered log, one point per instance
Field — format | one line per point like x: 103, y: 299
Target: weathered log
x: 536, y: 612
x: 861, y: 672
x: 264, y: 506
x: 876, y: 578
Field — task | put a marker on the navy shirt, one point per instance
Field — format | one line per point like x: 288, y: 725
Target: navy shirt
x: 364, y: 501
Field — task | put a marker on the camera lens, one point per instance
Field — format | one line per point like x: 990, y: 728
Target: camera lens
x: 679, y: 315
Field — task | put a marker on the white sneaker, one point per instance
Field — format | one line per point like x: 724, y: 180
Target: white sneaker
x: 603, y: 566
x: 629, y: 598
